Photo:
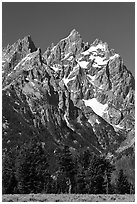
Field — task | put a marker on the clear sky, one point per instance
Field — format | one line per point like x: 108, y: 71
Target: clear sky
x: 48, y: 22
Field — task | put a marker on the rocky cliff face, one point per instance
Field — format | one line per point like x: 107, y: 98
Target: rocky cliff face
x: 76, y: 93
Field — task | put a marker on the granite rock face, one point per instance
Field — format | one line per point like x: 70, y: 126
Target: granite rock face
x: 76, y: 93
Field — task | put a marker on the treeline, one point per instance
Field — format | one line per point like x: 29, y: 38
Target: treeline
x: 30, y: 169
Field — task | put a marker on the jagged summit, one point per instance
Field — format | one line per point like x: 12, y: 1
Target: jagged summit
x: 74, y: 34
x: 77, y: 93
x: 26, y: 41
x: 74, y: 31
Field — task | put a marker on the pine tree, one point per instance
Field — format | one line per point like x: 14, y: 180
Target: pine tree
x: 80, y: 182
x: 93, y: 176
x: 86, y: 159
x: 123, y: 185
x: 32, y: 168
x: 108, y: 169
x: 68, y: 168
x: 98, y: 175
x: 9, y: 182
x: 83, y: 161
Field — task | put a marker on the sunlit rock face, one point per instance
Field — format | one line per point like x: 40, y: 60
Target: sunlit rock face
x: 76, y: 93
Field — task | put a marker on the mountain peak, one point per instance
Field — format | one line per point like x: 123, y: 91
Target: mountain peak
x: 74, y: 32
x: 27, y: 40
x: 74, y: 35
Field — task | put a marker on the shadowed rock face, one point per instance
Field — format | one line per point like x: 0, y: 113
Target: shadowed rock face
x: 76, y: 94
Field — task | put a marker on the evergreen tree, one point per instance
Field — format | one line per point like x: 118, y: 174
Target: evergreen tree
x: 123, y: 185
x: 92, y: 175
x: 32, y: 168
x: 108, y: 169
x: 98, y: 175
x: 9, y: 182
x: 68, y: 168
x: 61, y: 182
x: 83, y: 161
x: 81, y: 182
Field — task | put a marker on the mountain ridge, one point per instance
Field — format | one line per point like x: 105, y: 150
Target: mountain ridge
x: 75, y: 93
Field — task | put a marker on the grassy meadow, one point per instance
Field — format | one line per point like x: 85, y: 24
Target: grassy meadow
x: 67, y: 198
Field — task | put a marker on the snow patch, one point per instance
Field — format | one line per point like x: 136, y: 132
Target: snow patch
x: 68, y: 124
x: 55, y: 68
x: 97, y: 107
x: 85, y: 52
x: 22, y: 62
x: 90, y: 122
x: 94, y: 48
x: 101, y: 46
x: 92, y: 78
x: 66, y: 80
x: 95, y: 65
x: 98, y: 60
x: 91, y: 57
x: 114, y: 56
x: 66, y: 56
x: 83, y: 64
x: 118, y: 126
x: 97, y: 121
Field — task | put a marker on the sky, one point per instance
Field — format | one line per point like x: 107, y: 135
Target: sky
x: 49, y: 22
